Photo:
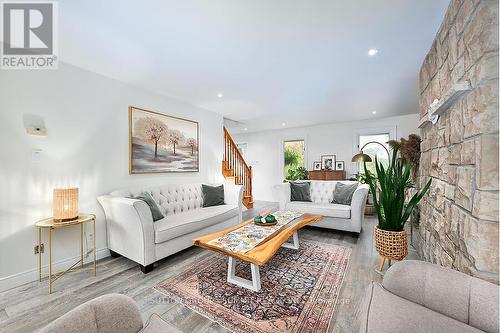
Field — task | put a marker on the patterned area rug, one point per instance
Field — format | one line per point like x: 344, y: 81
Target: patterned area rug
x: 299, y: 290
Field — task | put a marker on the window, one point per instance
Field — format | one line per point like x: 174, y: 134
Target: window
x: 373, y: 145
x: 243, y: 148
x: 293, y: 152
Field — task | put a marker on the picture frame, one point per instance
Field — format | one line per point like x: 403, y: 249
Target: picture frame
x: 160, y: 143
x: 328, y: 162
x: 339, y: 165
x: 316, y: 165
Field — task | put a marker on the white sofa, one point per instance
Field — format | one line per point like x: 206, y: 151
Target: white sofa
x: 335, y: 216
x: 133, y: 234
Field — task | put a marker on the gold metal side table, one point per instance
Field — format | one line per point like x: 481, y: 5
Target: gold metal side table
x: 50, y: 224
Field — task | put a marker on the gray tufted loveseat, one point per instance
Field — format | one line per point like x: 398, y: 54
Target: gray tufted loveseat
x: 335, y: 216
x: 133, y: 234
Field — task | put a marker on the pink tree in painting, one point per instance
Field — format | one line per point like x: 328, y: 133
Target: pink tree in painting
x: 192, y: 143
x: 151, y: 130
x: 175, y: 137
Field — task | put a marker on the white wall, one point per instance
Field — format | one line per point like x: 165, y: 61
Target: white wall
x: 86, y: 115
x: 265, y: 149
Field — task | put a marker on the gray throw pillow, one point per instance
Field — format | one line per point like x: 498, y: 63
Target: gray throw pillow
x: 153, y: 206
x: 343, y: 193
x: 212, y: 195
x: 300, y: 191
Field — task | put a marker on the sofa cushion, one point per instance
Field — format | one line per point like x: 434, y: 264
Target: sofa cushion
x: 172, y: 198
x: 176, y: 225
x: 452, y: 293
x: 322, y: 190
x: 153, y: 206
x: 342, y: 194
x: 323, y: 209
x: 212, y: 195
x: 300, y: 191
x: 387, y: 313
x: 111, y: 313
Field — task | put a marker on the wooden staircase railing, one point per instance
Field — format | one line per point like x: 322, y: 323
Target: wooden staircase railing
x: 234, y: 167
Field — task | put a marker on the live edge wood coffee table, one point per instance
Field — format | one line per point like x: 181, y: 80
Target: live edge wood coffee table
x: 260, y: 254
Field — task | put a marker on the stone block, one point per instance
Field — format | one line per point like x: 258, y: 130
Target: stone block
x: 468, y: 155
x: 447, y: 215
x: 463, y: 15
x: 446, y: 259
x: 481, y: 241
x: 458, y: 70
x: 465, y: 187
x: 456, y: 126
x: 457, y: 222
x: 432, y: 60
x: 485, y: 205
x: 435, y: 171
x: 425, y: 145
x: 449, y: 191
x: 441, y: 138
x: 449, y: 174
x: 463, y: 263
x: 481, y: 33
x: 487, y: 276
x: 454, y: 154
x: 480, y: 111
x: 436, y: 194
x: 445, y: 83
x: 486, y: 151
x: 452, y: 49
x: 443, y: 156
x: 485, y: 69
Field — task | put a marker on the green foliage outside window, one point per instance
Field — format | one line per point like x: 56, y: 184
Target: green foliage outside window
x: 294, y: 160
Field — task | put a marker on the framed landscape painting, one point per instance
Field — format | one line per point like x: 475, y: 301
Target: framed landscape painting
x: 159, y: 143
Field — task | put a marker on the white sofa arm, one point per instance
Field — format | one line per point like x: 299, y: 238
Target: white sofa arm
x: 358, y: 204
x: 283, y: 191
x: 129, y: 228
x: 233, y: 194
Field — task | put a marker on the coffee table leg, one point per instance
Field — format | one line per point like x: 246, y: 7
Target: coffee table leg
x: 295, y: 244
x: 254, y: 284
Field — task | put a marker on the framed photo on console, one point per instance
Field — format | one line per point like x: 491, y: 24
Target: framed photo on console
x: 317, y: 165
x: 328, y: 162
x: 339, y: 165
x: 159, y: 143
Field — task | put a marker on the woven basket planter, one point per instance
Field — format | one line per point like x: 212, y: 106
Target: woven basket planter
x: 392, y: 245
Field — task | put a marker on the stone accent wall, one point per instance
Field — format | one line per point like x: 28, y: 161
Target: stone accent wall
x: 459, y: 221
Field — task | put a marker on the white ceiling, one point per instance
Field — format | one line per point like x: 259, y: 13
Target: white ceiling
x: 301, y: 62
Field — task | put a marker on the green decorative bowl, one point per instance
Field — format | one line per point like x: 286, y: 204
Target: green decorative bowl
x: 270, y: 218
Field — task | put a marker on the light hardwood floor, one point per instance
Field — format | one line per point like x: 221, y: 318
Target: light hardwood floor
x: 29, y: 307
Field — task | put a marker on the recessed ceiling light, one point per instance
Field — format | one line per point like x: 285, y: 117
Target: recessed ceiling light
x: 374, y: 112
x: 283, y: 124
x: 245, y: 129
x: 372, y: 52
x: 219, y: 95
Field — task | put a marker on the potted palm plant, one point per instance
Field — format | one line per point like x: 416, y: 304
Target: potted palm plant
x: 388, y: 191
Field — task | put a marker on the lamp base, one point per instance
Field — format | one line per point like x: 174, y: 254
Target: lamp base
x: 66, y: 219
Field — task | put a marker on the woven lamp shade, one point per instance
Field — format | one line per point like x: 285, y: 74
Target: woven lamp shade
x: 65, y: 204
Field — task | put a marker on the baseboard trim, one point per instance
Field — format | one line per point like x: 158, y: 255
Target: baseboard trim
x: 18, y: 279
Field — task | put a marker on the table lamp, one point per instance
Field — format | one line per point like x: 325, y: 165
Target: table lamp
x: 65, y: 204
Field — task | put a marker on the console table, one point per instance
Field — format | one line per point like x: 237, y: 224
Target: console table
x: 327, y: 174
x: 52, y: 225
